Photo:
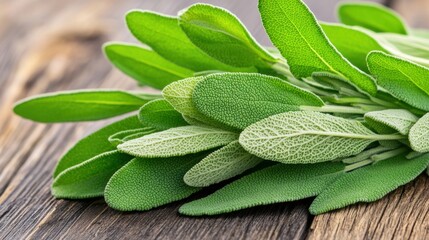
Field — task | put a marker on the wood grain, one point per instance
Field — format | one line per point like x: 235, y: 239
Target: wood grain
x: 56, y: 46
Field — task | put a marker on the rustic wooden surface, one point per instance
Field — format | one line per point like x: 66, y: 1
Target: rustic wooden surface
x: 54, y: 45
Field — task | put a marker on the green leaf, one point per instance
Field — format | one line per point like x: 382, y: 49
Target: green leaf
x: 161, y: 115
x: 223, y: 164
x: 391, y: 120
x: 371, y: 16
x: 164, y: 35
x: 307, y: 137
x: 95, y: 144
x: 279, y: 183
x: 144, y: 184
x: 144, y: 65
x: 353, y: 43
x: 123, y: 136
x: 294, y: 30
x: 369, y: 184
x: 72, y: 106
x: 88, y: 179
x: 403, y: 79
x: 222, y: 35
x: 419, y: 135
x: 178, y: 141
x: 240, y: 99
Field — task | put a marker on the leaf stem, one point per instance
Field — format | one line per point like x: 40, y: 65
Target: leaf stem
x: 366, y: 154
x: 389, y: 154
x: 334, y: 109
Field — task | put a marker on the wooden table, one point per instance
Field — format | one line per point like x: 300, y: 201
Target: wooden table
x: 54, y: 45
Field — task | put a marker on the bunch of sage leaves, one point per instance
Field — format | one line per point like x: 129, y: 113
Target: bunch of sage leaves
x: 336, y: 111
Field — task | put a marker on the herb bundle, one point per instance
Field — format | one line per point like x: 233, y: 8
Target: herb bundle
x: 336, y: 111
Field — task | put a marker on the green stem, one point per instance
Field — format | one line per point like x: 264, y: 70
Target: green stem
x: 347, y: 100
x: 389, y: 154
x: 357, y: 165
x: 366, y: 154
x: 334, y: 109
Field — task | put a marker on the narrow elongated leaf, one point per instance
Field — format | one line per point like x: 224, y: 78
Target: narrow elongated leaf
x: 403, y: 79
x: 178, y: 141
x: 371, y: 16
x: 240, y: 99
x: 223, y: 164
x: 164, y: 35
x: 161, y: 115
x: 88, y: 179
x: 72, y: 106
x: 353, y: 43
x: 294, y: 30
x: 95, y: 144
x: 126, y: 135
x: 399, y: 120
x: 279, y: 183
x: 222, y: 35
x: 419, y: 135
x: 369, y: 184
x: 307, y: 137
x: 144, y: 184
x: 144, y: 65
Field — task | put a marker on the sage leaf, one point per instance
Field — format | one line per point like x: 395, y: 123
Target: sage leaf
x: 279, y: 183
x: 371, y: 16
x: 240, y: 99
x: 88, y: 179
x: 144, y: 184
x: 294, y: 30
x: 94, y: 144
x: 160, y: 115
x: 419, y: 135
x: 369, y: 184
x: 221, y: 35
x: 72, y: 106
x: 164, y: 35
x: 307, y: 137
x: 220, y: 165
x: 178, y: 141
x: 399, y: 120
x: 403, y: 79
x: 123, y: 136
x: 144, y: 65
x: 353, y: 43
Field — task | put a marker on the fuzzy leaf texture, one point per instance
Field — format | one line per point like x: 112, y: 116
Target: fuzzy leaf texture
x: 164, y: 35
x: 160, y: 115
x: 88, y: 179
x: 369, y: 184
x: 144, y: 65
x: 307, y: 137
x: 279, y: 183
x: 223, y: 164
x: 391, y: 120
x: 178, y: 141
x: 405, y: 80
x: 371, y: 16
x: 144, y: 184
x: 411, y: 45
x: 240, y: 99
x: 95, y: 144
x: 294, y: 30
x: 81, y: 105
x: 419, y: 135
x: 126, y: 135
x: 221, y: 35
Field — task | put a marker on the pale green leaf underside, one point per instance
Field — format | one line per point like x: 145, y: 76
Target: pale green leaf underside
x: 178, y: 141
x: 144, y: 184
x: 294, y: 30
x: 126, y: 135
x: 240, y: 99
x: 80, y: 105
x: 400, y: 120
x: 279, y: 183
x: 223, y: 164
x: 305, y: 137
x: 88, y: 179
x: 369, y: 184
x: 161, y: 115
x: 419, y: 135
x: 95, y: 144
